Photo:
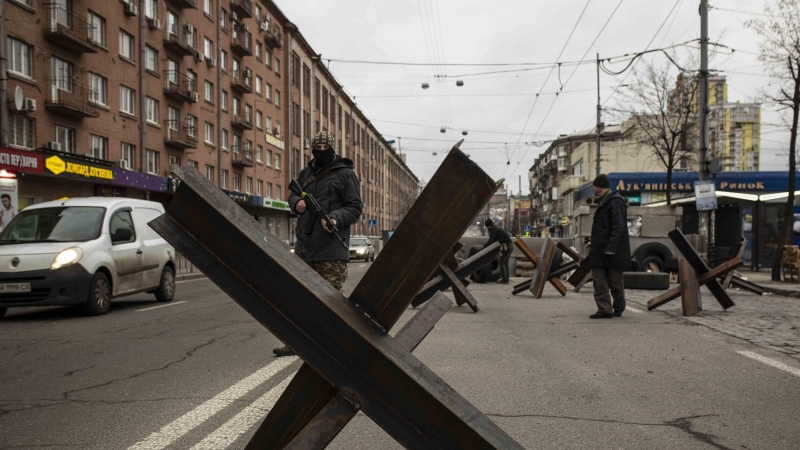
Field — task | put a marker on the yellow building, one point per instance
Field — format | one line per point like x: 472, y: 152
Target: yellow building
x: 735, y: 129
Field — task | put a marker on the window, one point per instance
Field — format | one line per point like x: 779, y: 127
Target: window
x: 209, y: 133
x: 224, y: 143
x: 126, y: 154
x: 259, y: 49
x: 194, y: 164
x: 269, y: 157
x: 96, y: 28
x: 174, y: 161
x: 223, y: 60
x: 191, y: 123
x: 317, y: 100
x: 277, y: 128
x: 152, y: 162
x: 210, y: 173
x: 173, y: 118
x: 268, y: 124
x: 268, y: 92
x: 223, y: 18
x: 259, y: 153
x: 209, y: 91
x: 151, y: 110
x: 99, y: 147
x: 277, y: 161
x: 269, y: 190
x: 208, y: 48
x: 126, y: 49
x: 259, y: 82
x: 98, y: 92
x: 248, y: 185
x: 22, y: 131
x: 151, y: 59
x: 277, y: 66
x: 208, y: 7
x: 277, y: 98
x: 61, y: 71
x: 237, y: 106
x: 122, y: 220
x: 223, y: 179
x: 237, y: 143
x: 150, y: 8
x: 126, y: 100
x: 577, y: 169
x: 248, y: 113
x: 306, y: 81
x: 66, y: 137
x: 20, y: 59
x: 237, y: 182
x: 259, y: 120
x: 192, y: 76
x: 223, y: 100
x: 278, y: 191
x: 258, y: 13
x: 172, y: 71
x: 268, y: 57
x: 260, y: 188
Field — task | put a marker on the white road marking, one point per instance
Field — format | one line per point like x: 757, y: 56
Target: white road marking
x: 225, y: 435
x: 634, y: 310
x: 770, y: 362
x: 161, y: 306
x: 182, y: 425
x: 192, y: 280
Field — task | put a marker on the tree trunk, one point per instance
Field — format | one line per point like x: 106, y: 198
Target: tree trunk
x: 669, y: 182
x: 788, y: 210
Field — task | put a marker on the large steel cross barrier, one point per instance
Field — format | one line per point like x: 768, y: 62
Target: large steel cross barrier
x: 351, y: 362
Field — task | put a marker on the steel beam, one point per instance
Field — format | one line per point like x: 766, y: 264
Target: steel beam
x: 700, y: 267
x: 542, y: 272
x: 691, y: 303
x: 552, y: 276
x: 465, y: 269
x: 702, y: 280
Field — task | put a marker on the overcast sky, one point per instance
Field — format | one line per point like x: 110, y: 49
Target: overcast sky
x: 497, y: 109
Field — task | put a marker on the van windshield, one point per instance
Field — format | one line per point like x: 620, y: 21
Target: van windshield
x: 357, y: 242
x: 59, y: 224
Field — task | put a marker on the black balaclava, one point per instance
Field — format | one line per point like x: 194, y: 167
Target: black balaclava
x: 323, y: 157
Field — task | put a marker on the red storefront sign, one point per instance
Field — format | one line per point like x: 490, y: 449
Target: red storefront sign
x: 21, y: 161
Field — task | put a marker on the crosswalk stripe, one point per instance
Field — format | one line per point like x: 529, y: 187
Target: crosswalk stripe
x: 182, y: 425
x: 770, y: 362
x: 634, y: 310
x: 227, y: 434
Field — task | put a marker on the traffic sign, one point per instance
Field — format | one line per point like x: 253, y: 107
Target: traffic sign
x: 373, y: 223
x: 527, y: 228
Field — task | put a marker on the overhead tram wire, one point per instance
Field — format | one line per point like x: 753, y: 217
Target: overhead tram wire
x: 536, y: 100
x: 544, y: 119
x: 430, y: 57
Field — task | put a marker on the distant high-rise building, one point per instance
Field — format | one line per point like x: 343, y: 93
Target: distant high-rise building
x: 735, y: 129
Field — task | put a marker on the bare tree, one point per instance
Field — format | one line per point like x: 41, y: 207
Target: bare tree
x: 663, y: 114
x: 779, y: 48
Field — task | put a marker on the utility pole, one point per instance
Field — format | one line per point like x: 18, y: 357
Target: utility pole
x: 519, y: 206
x: 705, y: 225
x: 599, y: 127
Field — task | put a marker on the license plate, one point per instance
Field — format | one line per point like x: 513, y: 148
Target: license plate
x: 15, y: 287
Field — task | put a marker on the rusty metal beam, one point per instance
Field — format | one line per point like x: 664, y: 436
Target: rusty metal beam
x: 553, y: 276
x: 542, y: 272
x: 700, y: 267
x: 690, y: 290
x: 465, y: 269
x: 458, y: 288
x: 344, y: 345
x: 702, y: 280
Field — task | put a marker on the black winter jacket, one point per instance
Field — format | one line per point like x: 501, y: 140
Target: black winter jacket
x: 610, y: 234
x: 338, y: 193
x: 498, y: 234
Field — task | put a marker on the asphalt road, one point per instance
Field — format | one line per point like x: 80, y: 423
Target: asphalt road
x: 198, y: 374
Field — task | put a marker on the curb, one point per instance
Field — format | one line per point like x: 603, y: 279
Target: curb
x: 189, y: 277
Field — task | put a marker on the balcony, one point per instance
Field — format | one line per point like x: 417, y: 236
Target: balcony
x: 69, y: 98
x: 571, y: 183
x: 242, y: 122
x: 183, y: 4
x: 242, y: 82
x: 242, y: 7
x: 180, y: 135
x: 273, y: 38
x: 67, y: 29
x: 242, y: 42
x: 180, y: 87
x: 181, y: 39
x: 242, y: 157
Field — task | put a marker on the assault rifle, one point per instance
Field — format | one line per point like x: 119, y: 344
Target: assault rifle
x: 295, y: 187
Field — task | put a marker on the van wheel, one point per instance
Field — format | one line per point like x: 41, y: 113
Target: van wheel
x: 99, y: 300
x: 166, y: 290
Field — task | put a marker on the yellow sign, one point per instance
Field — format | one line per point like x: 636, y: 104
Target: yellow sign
x: 55, y: 164
x: 564, y: 221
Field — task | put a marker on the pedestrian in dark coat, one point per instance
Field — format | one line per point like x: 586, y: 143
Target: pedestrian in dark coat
x: 609, y: 250
x: 498, y: 234
x: 332, y: 181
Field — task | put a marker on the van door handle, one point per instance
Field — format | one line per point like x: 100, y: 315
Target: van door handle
x: 139, y: 252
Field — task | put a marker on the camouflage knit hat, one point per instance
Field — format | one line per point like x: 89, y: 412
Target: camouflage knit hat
x: 323, y: 137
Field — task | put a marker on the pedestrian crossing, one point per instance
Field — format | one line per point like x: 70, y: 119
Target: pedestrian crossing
x: 226, y: 434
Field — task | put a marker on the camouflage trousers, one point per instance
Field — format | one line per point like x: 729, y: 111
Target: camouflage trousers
x: 334, y: 272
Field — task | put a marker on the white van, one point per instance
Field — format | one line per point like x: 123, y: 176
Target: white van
x: 84, y: 251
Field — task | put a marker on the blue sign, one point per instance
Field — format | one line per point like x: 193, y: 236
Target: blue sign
x: 527, y: 228
x: 635, y: 199
x: 373, y: 223
x: 496, y: 220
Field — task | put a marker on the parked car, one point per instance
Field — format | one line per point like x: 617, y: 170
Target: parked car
x: 84, y: 251
x: 361, y: 247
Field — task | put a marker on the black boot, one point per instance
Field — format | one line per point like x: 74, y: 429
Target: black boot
x: 283, y: 351
x: 601, y: 315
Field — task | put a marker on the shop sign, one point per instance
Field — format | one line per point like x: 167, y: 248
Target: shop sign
x: 277, y: 204
x: 635, y: 199
x: 274, y: 141
x: 238, y: 197
x: 705, y: 196
x: 143, y: 181
x: 67, y: 167
x: 20, y: 160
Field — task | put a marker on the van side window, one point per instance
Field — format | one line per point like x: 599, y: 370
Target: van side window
x: 121, y: 228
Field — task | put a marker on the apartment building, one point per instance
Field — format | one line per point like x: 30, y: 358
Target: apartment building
x: 105, y: 97
x: 734, y: 129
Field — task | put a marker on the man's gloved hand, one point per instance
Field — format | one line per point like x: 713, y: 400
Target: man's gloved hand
x: 587, y: 240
